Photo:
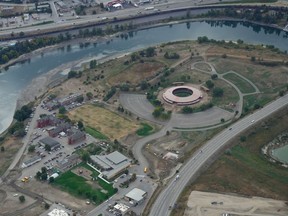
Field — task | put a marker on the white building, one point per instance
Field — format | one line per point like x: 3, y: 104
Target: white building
x: 135, y: 196
x: 57, y: 212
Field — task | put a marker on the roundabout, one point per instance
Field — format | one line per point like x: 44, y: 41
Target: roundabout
x: 182, y: 95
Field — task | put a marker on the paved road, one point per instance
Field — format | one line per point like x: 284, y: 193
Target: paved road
x: 128, y: 12
x: 169, y: 195
x: 140, y: 106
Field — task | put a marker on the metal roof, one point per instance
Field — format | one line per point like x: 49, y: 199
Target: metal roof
x: 116, y: 157
x: 136, y: 194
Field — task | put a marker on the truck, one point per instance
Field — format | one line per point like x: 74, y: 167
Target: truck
x: 149, y: 8
x: 145, y: 170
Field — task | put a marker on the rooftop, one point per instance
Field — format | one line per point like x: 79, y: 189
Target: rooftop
x: 116, y: 157
x: 58, y: 212
x: 136, y: 194
x: 121, y: 207
x: 49, y: 141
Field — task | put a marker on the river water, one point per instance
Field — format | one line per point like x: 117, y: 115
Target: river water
x: 18, y: 76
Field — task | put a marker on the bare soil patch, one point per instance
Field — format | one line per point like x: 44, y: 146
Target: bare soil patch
x: 11, y: 146
x: 83, y: 172
x: 53, y: 194
x: 105, y: 121
x: 200, y: 204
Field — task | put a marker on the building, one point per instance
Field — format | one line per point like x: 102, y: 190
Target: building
x: 58, y: 212
x: 51, y: 105
x: 31, y: 161
x: 50, y: 142
x: 111, y: 164
x: 135, y: 196
x: 48, y: 120
x: 68, y: 162
x: 121, y: 208
x: 70, y: 99
x: 76, y: 136
x: 62, y: 127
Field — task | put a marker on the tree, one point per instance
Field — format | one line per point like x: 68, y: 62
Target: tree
x: 209, y: 84
x: 38, y: 175
x: 143, y: 85
x: 22, y: 199
x: 187, y: 109
x: 44, y: 176
x: 89, y: 95
x: 214, y: 76
x: 150, y: 52
x: 80, y: 125
x: 44, y: 170
x: 72, y: 74
x: 2, y: 149
x: 218, y: 92
x: 46, y: 206
x: 80, y: 99
x: 243, y: 138
x: 51, y: 179
x: 47, y: 147
x: 157, y: 112
x: 85, y: 156
x: 62, y: 110
x: 93, y: 64
x: 31, y: 148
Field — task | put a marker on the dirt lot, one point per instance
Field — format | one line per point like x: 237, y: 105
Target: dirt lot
x: 53, y: 194
x: 11, y: 146
x: 107, y: 122
x: 83, y: 172
x: 200, y: 204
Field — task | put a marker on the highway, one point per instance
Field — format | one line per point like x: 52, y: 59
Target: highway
x: 170, y: 194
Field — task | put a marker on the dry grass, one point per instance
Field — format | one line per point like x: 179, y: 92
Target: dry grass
x: 137, y: 72
x: 11, y: 146
x: 105, y: 121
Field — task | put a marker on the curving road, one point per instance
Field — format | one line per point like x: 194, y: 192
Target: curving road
x: 170, y: 194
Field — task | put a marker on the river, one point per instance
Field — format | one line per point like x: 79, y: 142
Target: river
x: 18, y: 76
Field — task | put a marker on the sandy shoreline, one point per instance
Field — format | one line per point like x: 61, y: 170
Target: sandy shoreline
x: 41, y: 84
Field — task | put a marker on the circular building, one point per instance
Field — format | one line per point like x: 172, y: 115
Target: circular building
x: 182, y: 95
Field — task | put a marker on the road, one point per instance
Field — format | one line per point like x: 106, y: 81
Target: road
x: 132, y: 12
x: 170, y: 194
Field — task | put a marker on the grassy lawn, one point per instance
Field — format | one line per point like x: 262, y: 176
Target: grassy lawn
x: 260, y: 99
x: 103, y: 184
x: 95, y: 133
x: 242, y: 84
x: 102, y: 121
x: 230, y: 94
x: 79, y: 186
x: 145, y: 130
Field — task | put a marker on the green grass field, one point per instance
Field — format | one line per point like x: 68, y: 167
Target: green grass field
x: 242, y: 84
x: 95, y: 133
x: 80, y: 187
x: 145, y: 130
